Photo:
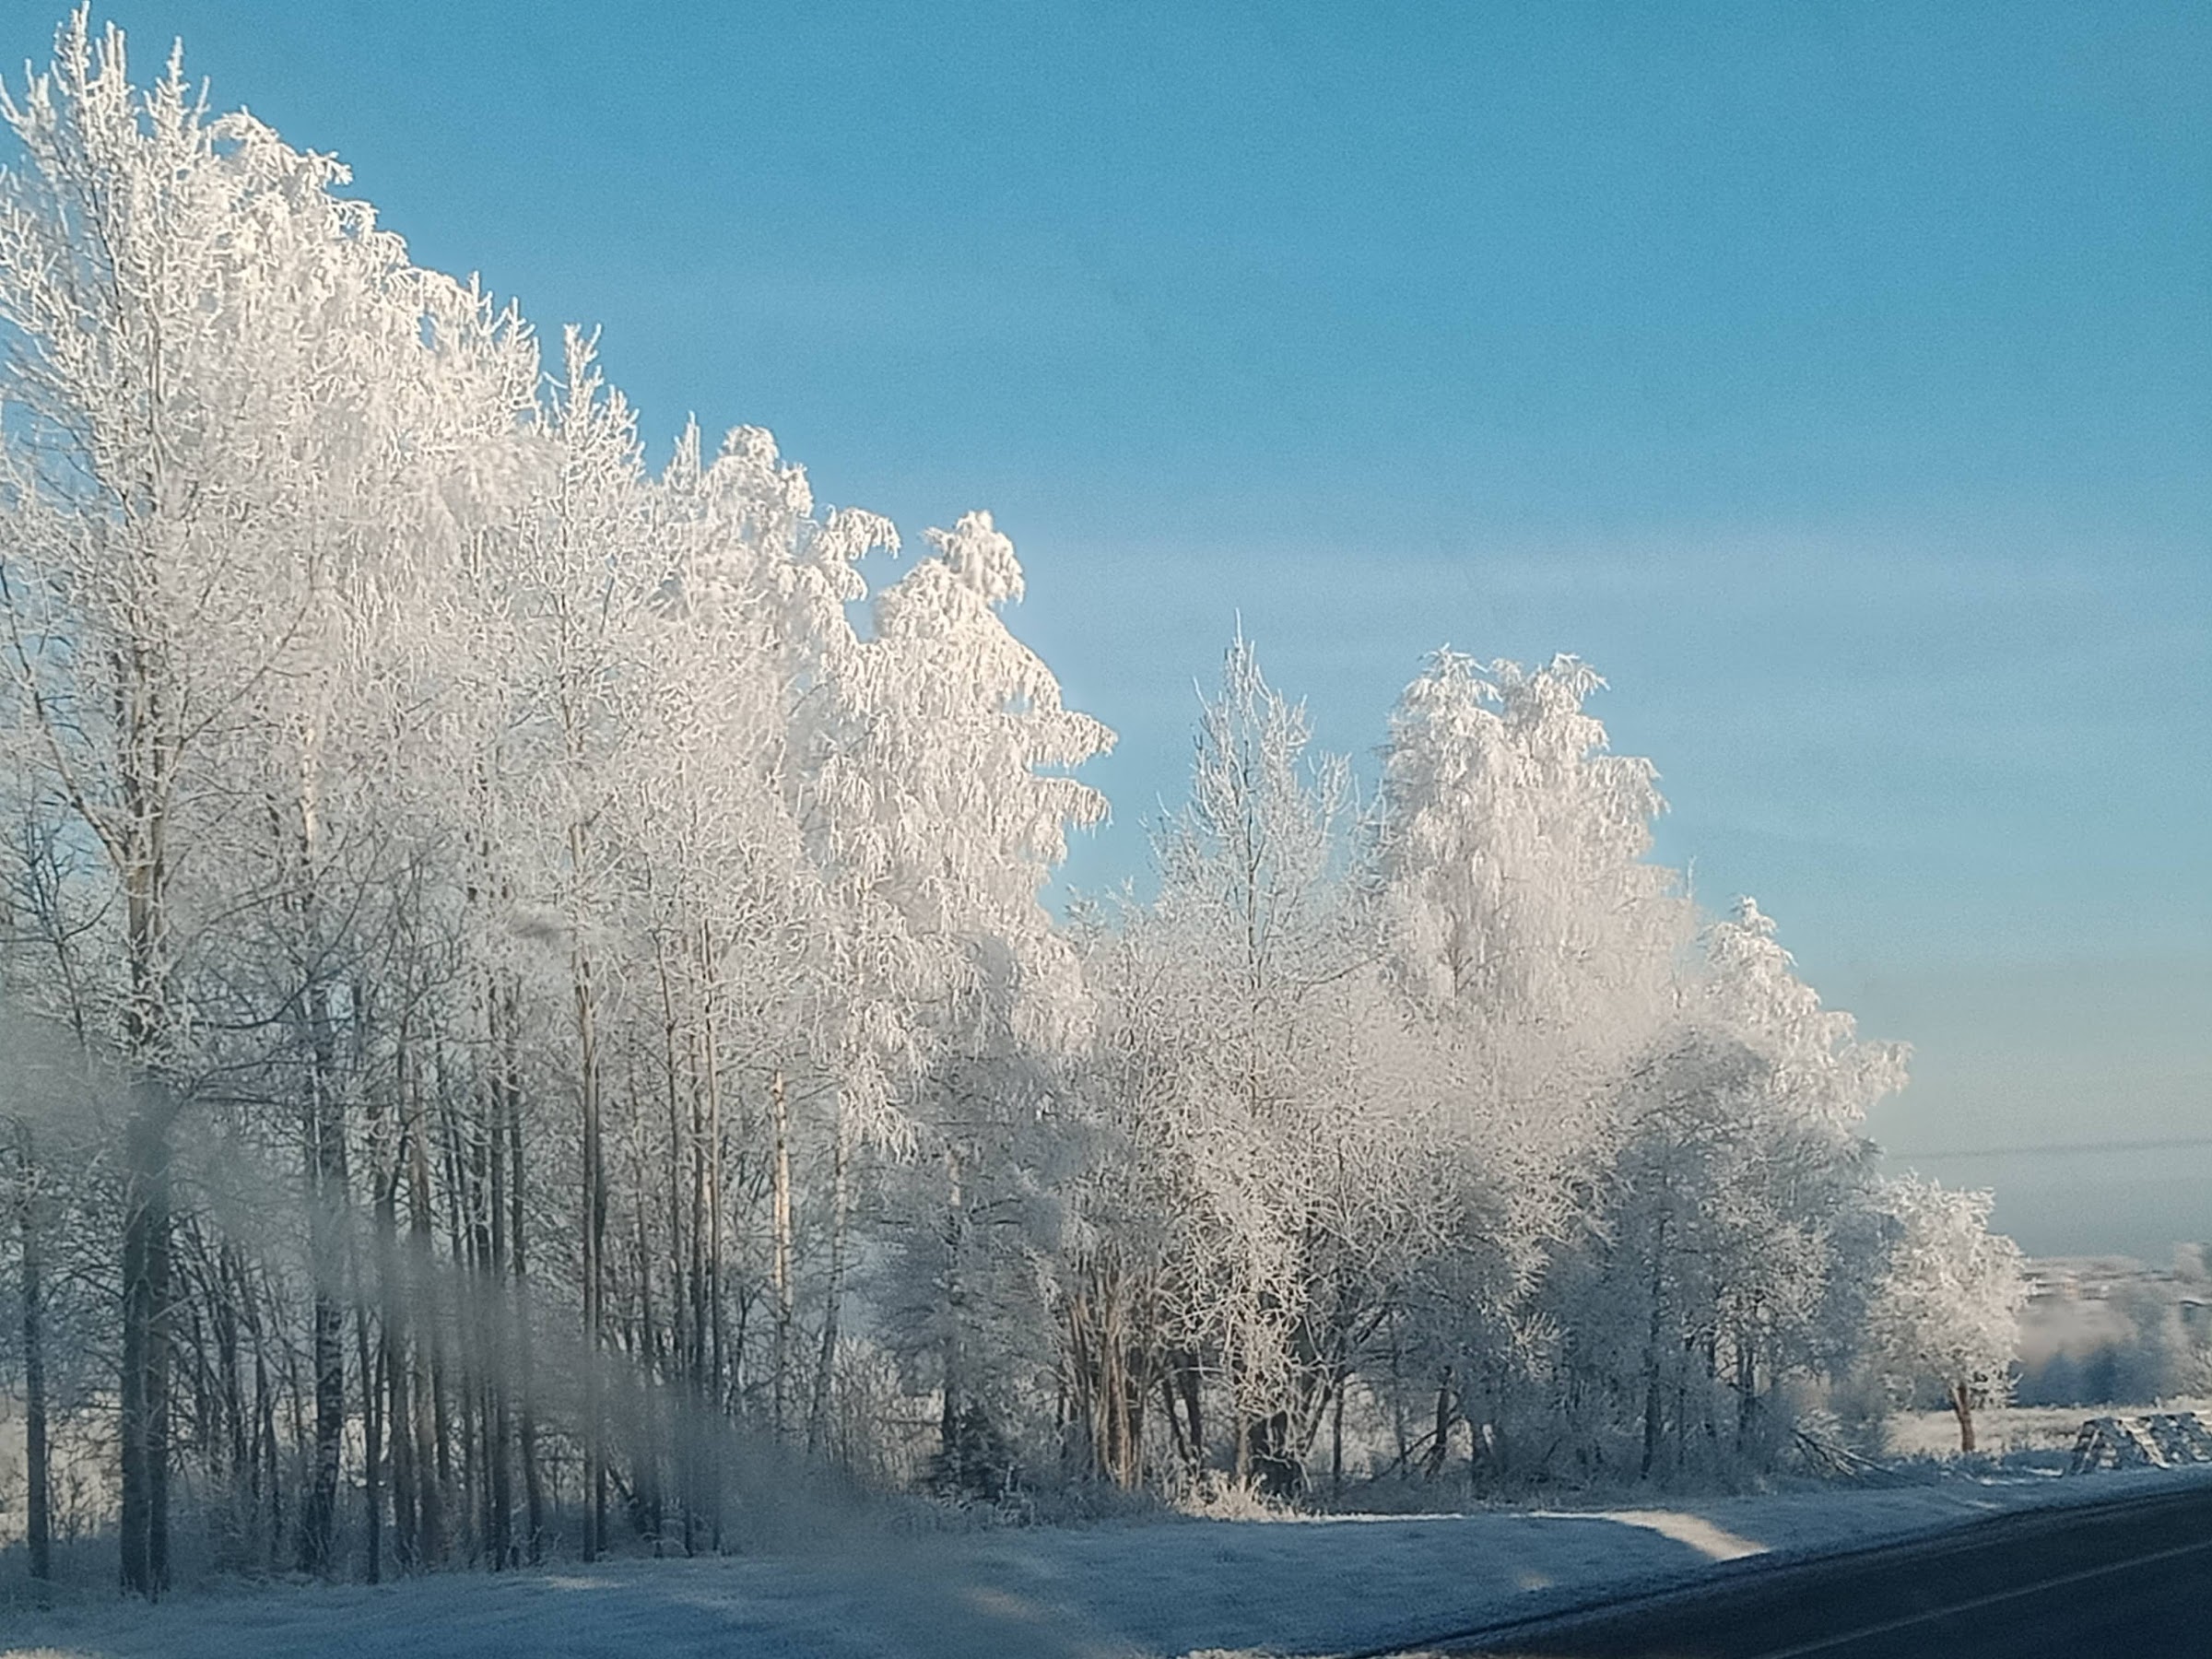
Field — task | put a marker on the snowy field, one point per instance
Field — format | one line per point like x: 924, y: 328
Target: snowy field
x: 1166, y: 1588
x: 2015, y: 1431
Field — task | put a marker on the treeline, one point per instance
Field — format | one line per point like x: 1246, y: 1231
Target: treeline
x: 514, y: 1003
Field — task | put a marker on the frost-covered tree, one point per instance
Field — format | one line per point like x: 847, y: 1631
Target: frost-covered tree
x: 1254, y: 964
x: 538, y: 992
x: 1510, y: 856
x: 1946, y: 1309
x: 1792, y: 1302
x: 1537, y: 951
x: 215, y: 418
x: 953, y: 792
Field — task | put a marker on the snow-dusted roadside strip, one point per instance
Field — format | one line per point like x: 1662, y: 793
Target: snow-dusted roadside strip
x: 1326, y: 1587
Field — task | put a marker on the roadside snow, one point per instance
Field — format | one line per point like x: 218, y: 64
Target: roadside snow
x: 1170, y: 1587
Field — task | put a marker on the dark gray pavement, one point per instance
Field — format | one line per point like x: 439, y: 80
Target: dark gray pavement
x: 2130, y: 1581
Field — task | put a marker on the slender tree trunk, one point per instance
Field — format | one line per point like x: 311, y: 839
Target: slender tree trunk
x: 238, y: 1420
x: 146, y: 1357
x: 1337, y: 1438
x: 370, y: 1354
x: 534, y: 1485
x: 146, y: 1227
x: 1183, y: 1450
x: 951, y: 1440
x: 295, y: 1397
x: 372, y: 1445
x: 695, y: 1435
x: 702, y: 1202
x: 683, y: 1195
x: 1079, y: 1380
x: 1653, y: 1405
x: 711, y: 1394
x: 38, y: 1462
x: 268, y: 1478
x: 148, y: 759
x: 1439, y: 1439
x: 648, y: 1500
x: 684, y: 1342
x: 1962, y: 1407
x: 266, y: 1483
x: 841, y: 1209
x: 1137, y: 1357
x: 424, y: 1307
x: 1746, y: 1390
x: 1240, y: 1425
x: 1193, y: 1397
x: 460, y: 1371
x: 386, y: 1157
x: 398, y: 1412
x: 325, y: 1160
x: 498, y: 1322
x: 594, y: 1238
x: 326, y: 1201
x: 1400, y: 1429
x: 779, y: 1390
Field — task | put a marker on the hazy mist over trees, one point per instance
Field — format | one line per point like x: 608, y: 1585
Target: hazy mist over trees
x: 531, y: 1026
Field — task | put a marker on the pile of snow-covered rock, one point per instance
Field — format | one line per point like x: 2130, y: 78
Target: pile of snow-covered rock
x: 2159, y: 1440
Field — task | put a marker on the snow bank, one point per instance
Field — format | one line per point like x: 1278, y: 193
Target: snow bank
x: 1171, y: 1587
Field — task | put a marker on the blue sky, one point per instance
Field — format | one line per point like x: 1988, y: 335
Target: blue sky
x: 1837, y: 379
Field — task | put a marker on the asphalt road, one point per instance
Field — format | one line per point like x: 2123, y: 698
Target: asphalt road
x: 2130, y: 1581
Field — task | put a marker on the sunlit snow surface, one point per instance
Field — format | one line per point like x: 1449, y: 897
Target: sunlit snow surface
x: 1714, y: 1543
x: 1170, y: 1587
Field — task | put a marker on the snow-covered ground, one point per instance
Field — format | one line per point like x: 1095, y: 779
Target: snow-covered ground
x: 1166, y: 1587
x: 2014, y: 1430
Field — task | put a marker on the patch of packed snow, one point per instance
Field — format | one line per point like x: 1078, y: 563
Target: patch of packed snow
x: 1325, y: 1585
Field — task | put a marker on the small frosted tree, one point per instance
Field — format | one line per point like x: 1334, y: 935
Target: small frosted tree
x: 1256, y: 968
x: 1792, y: 1300
x: 1946, y: 1307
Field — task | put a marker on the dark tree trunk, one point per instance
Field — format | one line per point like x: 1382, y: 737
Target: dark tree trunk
x: 326, y: 1186
x: 238, y: 1418
x: 372, y: 1446
x: 1962, y: 1407
x: 780, y: 1384
x: 39, y: 1509
x: 1189, y: 1381
x: 595, y: 1242
x: 1440, y: 1435
x: 1655, y: 1409
x: 841, y: 1211
x: 266, y: 1489
x: 490, y: 1153
x: 951, y: 1442
x: 533, y: 1486
x: 393, y: 1363
x: 1747, y: 1391
x: 145, y: 1359
x: 1337, y: 1437
x: 425, y: 1464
